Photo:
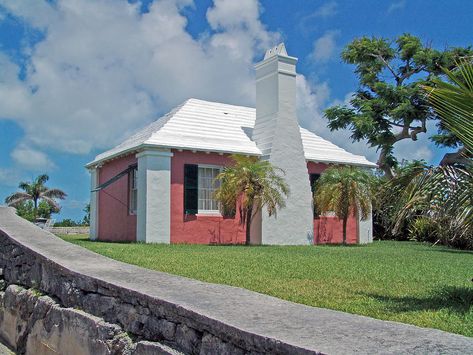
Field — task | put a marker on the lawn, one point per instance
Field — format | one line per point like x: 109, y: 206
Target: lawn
x: 429, y: 286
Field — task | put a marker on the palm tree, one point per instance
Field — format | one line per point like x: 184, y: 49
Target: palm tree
x: 344, y: 190
x: 36, y: 191
x: 251, y: 184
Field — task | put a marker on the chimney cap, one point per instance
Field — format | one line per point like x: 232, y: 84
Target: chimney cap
x: 280, y: 49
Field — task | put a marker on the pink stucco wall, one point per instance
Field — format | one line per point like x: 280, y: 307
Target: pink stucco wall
x: 115, y: 223
x: 330, y: 229
x: 199, y: 229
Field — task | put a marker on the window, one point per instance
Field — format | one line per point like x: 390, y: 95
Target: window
x: 133, y: 179
x: 207, y: 184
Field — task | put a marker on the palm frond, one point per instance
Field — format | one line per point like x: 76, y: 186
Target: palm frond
x: 454, y: 102
x: 54, y: 193
x: 17, y: 198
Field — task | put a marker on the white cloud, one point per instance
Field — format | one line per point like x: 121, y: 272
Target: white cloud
x: 9, y: 177
x: 423, y: 148
x: 31, y: 159
x: 329, y: 8
x: 397, y: 5
x: 311, y: 101
x: 308, y: 23
x: 324, y: 47
x: 104, y: 69
x: 38, y: 13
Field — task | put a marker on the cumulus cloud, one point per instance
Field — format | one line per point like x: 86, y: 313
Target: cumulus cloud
x: 308, y: 22
x: 31, y: 159
x: 328, y: 9
x: 9, y: 177
x: 104, y: 69
x: 423, y: 148
x: 324, y: 47
x: 311, y: 101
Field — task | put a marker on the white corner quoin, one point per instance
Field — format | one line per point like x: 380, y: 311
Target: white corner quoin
x: 277, y: 135
x: 154, y: 196
x: 94, y: 200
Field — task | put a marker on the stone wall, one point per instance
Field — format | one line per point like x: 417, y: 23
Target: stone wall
x: 59, y: 298
x: 47, y: 305
x: 69, y: 230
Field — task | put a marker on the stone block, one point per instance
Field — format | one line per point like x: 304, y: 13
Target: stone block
x: 188, y: 339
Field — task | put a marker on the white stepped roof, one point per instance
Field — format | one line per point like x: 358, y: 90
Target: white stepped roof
x: 216, y: 127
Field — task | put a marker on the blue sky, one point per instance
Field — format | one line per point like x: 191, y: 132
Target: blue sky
x: 78, y: 77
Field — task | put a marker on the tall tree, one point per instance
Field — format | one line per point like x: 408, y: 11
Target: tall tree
x: 390, y: 105
x: 36, y: 191
x: 441, y: 195
x: 251, y: 184
x: 344, y: 190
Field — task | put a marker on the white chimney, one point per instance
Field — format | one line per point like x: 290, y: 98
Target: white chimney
x: 278, y: 136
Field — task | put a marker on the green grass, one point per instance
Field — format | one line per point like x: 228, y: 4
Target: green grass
x: 429, y: 286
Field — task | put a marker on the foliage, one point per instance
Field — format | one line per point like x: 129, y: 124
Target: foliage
x: 36, y: 191
x: 454, y: 101
x: 389, y: 198
x: 25, y: 209
x: 250, y: 185
x: 390, y: 105
x: 86, y: 219
x: 441, y: 197
x: 344, y: 190
x: 444, y: 196
x: 423, y: 230
x: 400, y: 281
x: 67, y: 222
x: 437, y: 199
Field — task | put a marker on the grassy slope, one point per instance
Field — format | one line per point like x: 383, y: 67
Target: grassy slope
x: 401, y: 281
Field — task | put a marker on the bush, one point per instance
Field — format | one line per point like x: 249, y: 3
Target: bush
x: 423, y: 229
x: 67, y: 223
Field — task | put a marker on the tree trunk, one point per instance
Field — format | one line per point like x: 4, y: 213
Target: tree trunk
x: 249, y: 215
x: 383, y: 164
x: 35, y: 209
x: 345, y: 220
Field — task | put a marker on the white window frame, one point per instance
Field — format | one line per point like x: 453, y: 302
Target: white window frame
x: 133, y: 192
x: 203, y: 211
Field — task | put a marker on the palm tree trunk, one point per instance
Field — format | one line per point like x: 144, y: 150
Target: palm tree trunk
x: 345, y: 220
x: 249, y: 215
x: 35, y: 209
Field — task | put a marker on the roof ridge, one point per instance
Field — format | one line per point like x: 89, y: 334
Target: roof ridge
x: 220, y: 103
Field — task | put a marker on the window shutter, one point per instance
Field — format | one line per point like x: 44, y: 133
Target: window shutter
x: 191, y: 183
x: 313, y: 180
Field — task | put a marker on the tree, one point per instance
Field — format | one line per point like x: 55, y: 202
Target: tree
x: 439, y: 198
x: 36, y: 192
x: 390, y: 105
x: 86, y: 219
x: 444, y: 194
x: 250, y: 185
x: 344, y: 190
x: 25, y: 210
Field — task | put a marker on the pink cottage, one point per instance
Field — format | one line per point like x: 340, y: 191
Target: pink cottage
x: 157, y: 186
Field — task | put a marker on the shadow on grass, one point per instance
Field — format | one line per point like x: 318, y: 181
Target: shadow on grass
x: 453, y: 298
